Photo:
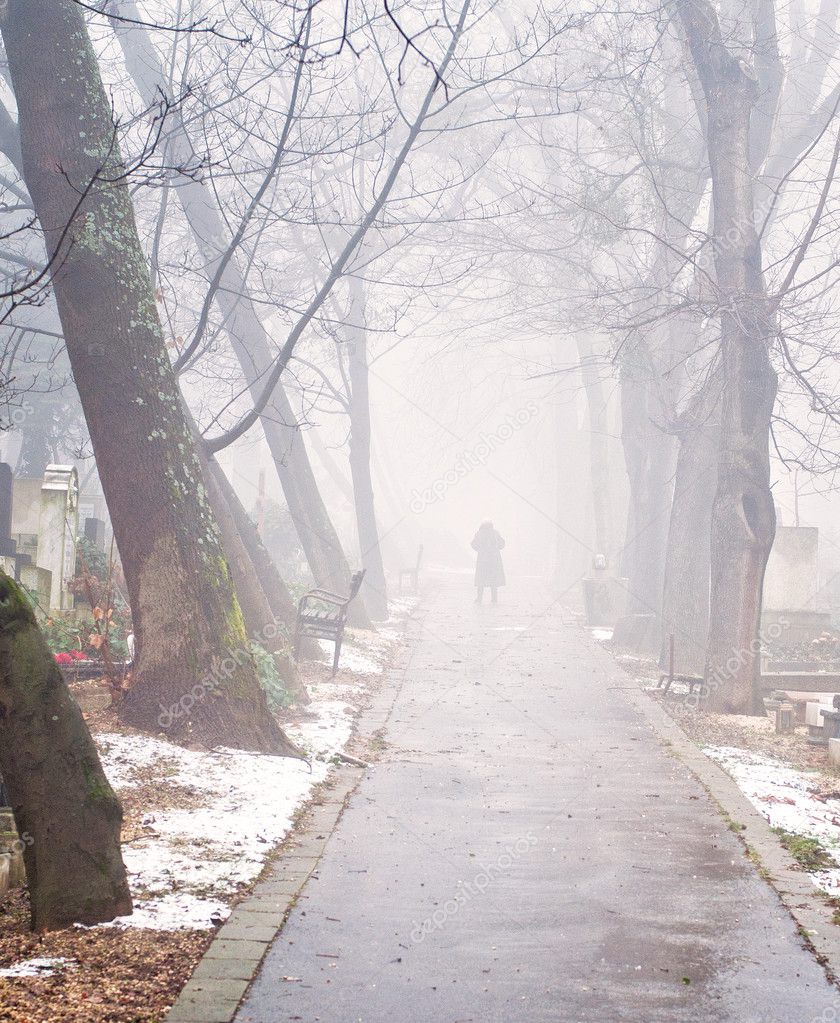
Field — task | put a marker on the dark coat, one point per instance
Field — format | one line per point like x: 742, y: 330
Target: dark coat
x: 489, y: 570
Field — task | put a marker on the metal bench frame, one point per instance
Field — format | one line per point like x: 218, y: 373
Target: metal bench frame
x: 670, y: 677
x: 323, y: 615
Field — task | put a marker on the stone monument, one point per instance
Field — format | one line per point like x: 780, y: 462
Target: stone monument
x: 11, y: 559
x: 58, y: 527
x: 95, y: 532
x: 790, y: 601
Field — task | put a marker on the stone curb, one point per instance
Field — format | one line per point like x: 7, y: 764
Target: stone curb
x: 775, y: 865
x: 225, y: 972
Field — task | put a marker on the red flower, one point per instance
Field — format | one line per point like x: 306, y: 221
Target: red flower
x: 78, y: 655
x: 63, y: 658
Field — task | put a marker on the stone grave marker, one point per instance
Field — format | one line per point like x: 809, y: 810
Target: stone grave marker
x: 11, y: 559
x: 790, y: 602
x: 58, y: 527
x: 95, y: 532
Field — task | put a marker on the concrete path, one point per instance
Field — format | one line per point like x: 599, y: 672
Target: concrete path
x: 527, y: 850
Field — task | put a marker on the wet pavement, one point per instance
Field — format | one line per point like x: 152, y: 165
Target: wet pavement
x: 528, y: 850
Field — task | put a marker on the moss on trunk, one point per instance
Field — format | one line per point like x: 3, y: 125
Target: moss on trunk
x: 66, y: 813
x: 187, y: 620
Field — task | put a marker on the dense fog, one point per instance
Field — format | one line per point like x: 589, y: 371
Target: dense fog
x: 419, y: 546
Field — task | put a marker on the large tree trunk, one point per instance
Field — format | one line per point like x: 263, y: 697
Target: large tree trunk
x: 393, y: 539
x: 273, y: 586
x: 283, y: 607
x: 685, y: 600
x: 342, y: 484
x: 194, y: 668
x: 650, y: 455
x: 251, y: 343
x: 653, y: 359
x: 573, y: 540
x: 66, y: 814
x: 743, y: 520
x: 374, y: 589
x: 597, y: 411
x: 260, y: 622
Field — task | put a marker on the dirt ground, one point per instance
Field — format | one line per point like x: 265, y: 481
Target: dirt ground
x: 114, y: 974
x: 757, y: 734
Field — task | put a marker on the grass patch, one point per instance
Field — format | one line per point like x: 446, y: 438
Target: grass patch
x: 808, y: 852
x: 377, y: 741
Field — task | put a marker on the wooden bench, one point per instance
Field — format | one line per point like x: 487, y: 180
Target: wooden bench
x: 323, y: 615
x: 412, y: 573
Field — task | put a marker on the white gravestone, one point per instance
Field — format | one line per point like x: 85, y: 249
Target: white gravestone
x: 791, y: 613
x: 791, y: 581
x: 58, y: 527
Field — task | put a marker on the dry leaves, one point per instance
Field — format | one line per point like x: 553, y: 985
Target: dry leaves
x: 116, y: 976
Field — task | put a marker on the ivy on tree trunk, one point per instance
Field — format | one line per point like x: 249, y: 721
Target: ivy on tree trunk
x: 195, y: 676
x: 67, y: 816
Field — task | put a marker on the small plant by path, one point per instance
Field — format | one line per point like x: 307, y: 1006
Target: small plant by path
x: 808, y: 851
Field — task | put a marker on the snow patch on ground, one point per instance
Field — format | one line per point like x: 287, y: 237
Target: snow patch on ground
x: 37, y: 967
x: 186, y: 863
x: 399, y: 608
x: 353, y: 659
x: 602, y: 635
x: 367, y: 653
x: 784, y: 796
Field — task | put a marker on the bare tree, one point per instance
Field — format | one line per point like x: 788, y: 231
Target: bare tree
x: 743, y: 519
x: 181, y: 594
x: 230, y: 290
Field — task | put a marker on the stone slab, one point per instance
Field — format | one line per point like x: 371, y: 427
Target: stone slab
x: 224, y: 969
x: 248, y: 931
x: 235, y: 948
x: 202, y: 989
x: 254, y: 912
x: 813, y: 718
x: 269, y: 904
x: 202, y: 1012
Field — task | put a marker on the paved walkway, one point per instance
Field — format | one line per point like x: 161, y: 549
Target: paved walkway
x: 527, y: 850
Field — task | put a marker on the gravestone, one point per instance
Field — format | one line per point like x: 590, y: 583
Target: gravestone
x: 58, y: 527
x: 790, y: 601
x: 12, y: 872
x: 6, y: 495
x: 11, y: 559
x: 604, y: 595
x: 95, y: 533
x: 39, y: 583
x: 26, y: 511
x: 26, y: 505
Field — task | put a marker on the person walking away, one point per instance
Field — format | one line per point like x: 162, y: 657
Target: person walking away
x: 489, y: 570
